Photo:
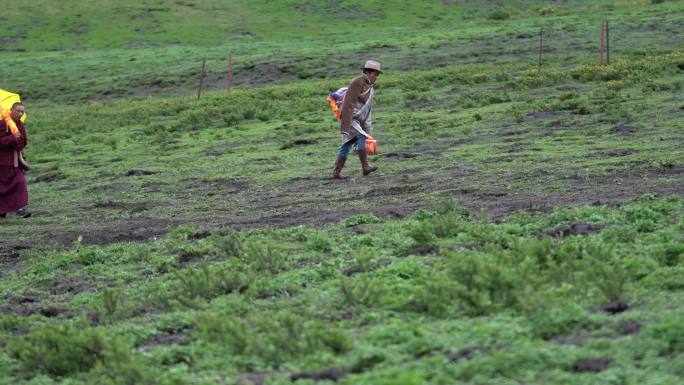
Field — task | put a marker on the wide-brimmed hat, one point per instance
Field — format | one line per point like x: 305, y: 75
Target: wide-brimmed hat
x: 372, y: 65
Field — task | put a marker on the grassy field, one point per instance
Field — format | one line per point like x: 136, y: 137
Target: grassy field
x: 114, y: 54
x: 524, y: 227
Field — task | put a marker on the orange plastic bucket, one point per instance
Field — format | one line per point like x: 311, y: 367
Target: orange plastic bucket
x: 371, y: 146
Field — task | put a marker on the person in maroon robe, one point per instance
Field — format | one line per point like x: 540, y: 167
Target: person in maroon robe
x: 13, y: 189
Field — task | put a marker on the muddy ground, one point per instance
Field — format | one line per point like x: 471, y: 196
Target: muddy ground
x: 315, y: 200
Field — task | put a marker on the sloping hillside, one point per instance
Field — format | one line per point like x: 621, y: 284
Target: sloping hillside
x: 525, y: 225
x: 140, y: 49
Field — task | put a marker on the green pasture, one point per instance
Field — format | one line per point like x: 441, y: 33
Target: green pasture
x: 111, y: 58
x: 524, y: 226
x: 478, y: 133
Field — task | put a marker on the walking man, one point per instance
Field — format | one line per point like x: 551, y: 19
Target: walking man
x: 355, y: 118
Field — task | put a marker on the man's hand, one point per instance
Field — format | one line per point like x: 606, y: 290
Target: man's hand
x: 23, y: 164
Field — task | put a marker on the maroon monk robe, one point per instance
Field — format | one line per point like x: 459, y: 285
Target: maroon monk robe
x: 13, y: 189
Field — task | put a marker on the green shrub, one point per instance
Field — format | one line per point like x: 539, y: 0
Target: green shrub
x: 91, y: 255
x: 670, y: 333
x: 231, y: 119
x: 193, y: 120
x: 448, y: 225
x: 191, y: 286
x: 9, y: 322
x: 484, y: 284
x: 592, y: 266
x: 360, y: 291
x: 546, y: 11
x: 423, y: 233
x: 273, y: 339
x: 671, y: 278
x: 264, y: 257
x: 112, y: 305
x: 547, y: 323
x: 502, y: 77
x: 319, y: 242
x: 510, y: 362
x: 435, y: 295
x: 498, y: 14
x: 230, y: 246
x: 451, y: 206
x: 360, y: 219
x: 63, y: 350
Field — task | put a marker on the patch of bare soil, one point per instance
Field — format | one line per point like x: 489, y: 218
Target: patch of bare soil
x: 573, y: 340
x: 336, y: 9
x: 615, y: 307
x: 332, y: 374
x: 614, y: 153
x: 298, y: 143
x: 260, y: 74
x: 593, y: 365
x: 47, y: 177
x: 256, y: 378
x: 630, y: 327
x: 72, y: 284
x: 226, y: 185
x: 400, y: 155
x: 29, y: 304
x: 126, y: 230
x: 9, y: 257
x: 133, y: 207
x: 353, y: 270
x: 93, y: 232
x: 423, y: 250
x: 466, y: 353
x: 573, y: 229
x: 165, y: 339
x: 220, y: 149
x: 116, y: 186
x: 393, y: 190
x: 189, y: 258
x: 624, y: 129
x: 136, y: 172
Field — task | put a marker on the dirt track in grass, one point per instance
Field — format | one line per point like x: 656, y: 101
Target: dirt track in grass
x: 317, y: 200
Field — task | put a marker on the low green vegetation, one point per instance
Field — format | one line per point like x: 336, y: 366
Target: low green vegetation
x: 524, y: 227
x: 438, y: 297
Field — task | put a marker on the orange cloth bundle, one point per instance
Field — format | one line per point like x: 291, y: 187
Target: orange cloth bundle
x: 10, y: 123
x: 335, y: 107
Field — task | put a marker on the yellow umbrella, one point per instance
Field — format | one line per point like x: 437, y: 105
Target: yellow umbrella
x: 6, y: 100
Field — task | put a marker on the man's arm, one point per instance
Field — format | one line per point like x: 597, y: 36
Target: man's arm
x: 23, y: 163
x: 350, y: 98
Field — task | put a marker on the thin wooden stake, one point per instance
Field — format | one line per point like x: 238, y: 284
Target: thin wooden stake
x: 607, y: 43
x: 541, y: 45
x: 201, y: 79
x: 229, y: 80
x: 602, y: 40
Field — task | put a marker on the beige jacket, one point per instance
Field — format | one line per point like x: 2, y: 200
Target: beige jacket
x: 356, y: 97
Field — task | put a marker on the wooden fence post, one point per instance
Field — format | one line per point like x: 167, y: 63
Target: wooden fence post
x: 541, y: 45
x: 201, y: 79
x: 229, y: 79
x: 602, y: 40
x: 607, y: 43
